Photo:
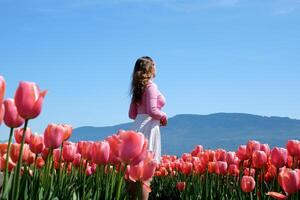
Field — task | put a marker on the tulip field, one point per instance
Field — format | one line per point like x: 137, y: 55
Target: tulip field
x: 49, y: 166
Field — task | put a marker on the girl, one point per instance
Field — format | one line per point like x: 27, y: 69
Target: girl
x: 145, y: 106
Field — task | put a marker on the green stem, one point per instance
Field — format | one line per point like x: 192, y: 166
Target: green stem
x: 7, y: 158
x: 17, y: 180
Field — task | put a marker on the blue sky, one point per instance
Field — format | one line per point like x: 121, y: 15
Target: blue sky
x: 212, y: 55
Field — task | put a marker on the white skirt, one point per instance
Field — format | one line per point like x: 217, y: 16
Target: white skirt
x: 150, y: 128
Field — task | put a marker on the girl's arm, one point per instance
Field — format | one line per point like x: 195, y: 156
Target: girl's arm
x: 132, y: 110
x: 152, y: 109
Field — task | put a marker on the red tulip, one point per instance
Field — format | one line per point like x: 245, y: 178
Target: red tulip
x: 40, y: 162
x: 29, y: 100
x: 211, y: 167
x: 77, y: 160
x: 186, y: 168
x: 2, y: 92
x: 220, y: 155
x: 19, y: 133
x: 45, y: 153
x: 87, y: 150
x: 54, y: 135
x: 259, y: 159
x: 100, y: 152
x: 186, y: 157
x: 242, y: 152
x: 133, y: 146
x: 69, y: 152
x: 11, y: 164
x: 199, y: 167
x: 197, y: 150
x: 221, y: 167
x: 12, y: 118
x: 15, y: 151
x: 56, y: 155
x: 233, y: 170
x: 247, y: 184
x: 3, y: 148
x: 143, y: 171
x: 36, y: 143
x: 278, y: 157
x: 249, y: 172
x: 252, y: 145
x: 293, y: 147
x: 181, y: 186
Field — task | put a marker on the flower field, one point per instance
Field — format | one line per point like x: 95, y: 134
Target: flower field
x: 48, y: 166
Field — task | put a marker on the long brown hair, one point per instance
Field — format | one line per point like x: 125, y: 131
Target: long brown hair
x: 142, y: 73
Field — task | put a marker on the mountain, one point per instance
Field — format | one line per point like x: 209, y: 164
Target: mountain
x: 219, y: 130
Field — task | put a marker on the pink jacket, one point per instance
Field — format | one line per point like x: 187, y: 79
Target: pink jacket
x: 151, y: 103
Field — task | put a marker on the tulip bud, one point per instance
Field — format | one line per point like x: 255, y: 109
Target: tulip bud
x: 12, y: 118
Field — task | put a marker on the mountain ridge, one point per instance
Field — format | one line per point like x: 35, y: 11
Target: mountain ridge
x: 216, y: 130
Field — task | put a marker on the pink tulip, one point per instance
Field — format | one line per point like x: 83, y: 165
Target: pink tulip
x: 186, y: 168
x: 197, y: 150
x: 230, y: 157
x: 293, y: 147
x: 36, y: 143
x: 277, y: 195
x: 289, y: 180
x: 100, y: 152
x: 54, y: 135
x: 249, y: 172
x: 265, y: 148
x: 143, y: 171
x: 56, y: 155
x: 247, y: 183
x: 40, y: 162
x: 69, y: 152
x: 29, y: 100
x: 242, y: 152
x: 88, y: 170
x: 2, y: 92
x: 11, y: 164
x: 77, y: 160
x: 68, y: 131
x: 19, y: 133
x: 15, y: 151
x: 12, y: 118
x: 133, y: 146
x: 278, y: 157
x: 259, y: 159
x: 87, y: 150
x: 114, y: 143
x: 252, y: 145
x: 221, y: 167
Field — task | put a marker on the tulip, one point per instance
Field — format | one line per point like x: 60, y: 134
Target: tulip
x: 211, y: 167
x: 186, y: 157
x: 259, y: 159
x: 29, y: 100
x: 88, y: 170
x: 12, y: 118
x: 220, y: 155
x: 230, y: 157
x: 186, y: 168
x: 133, y: 147
x: 252, y: 145
x: 233, y: 170
x: 289, y: 180
x: 54, y: 135
x: 100, y: 151
x: 40, y: 162
x: 10, y: 165
x: 293, y: 147
x: 242, y: 152
x: 181, y: 186
x: 68, y: 152
x: 278, y: 157
x: 265, y: 148
x: 36, y: 143
x: 249, y: 172
x: 2, y: 92
x: 221, y: 167
x: 3, y: 148
x: 197, y: 150
x: 277, y: 195
x: 247, y: 183
x: 77, y: 160
x: 56, y: 155
x: 87, y: 150
x: 19, y: 134
x: 68, y: 131
x: 15, y: 152
x: 143, y: 171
